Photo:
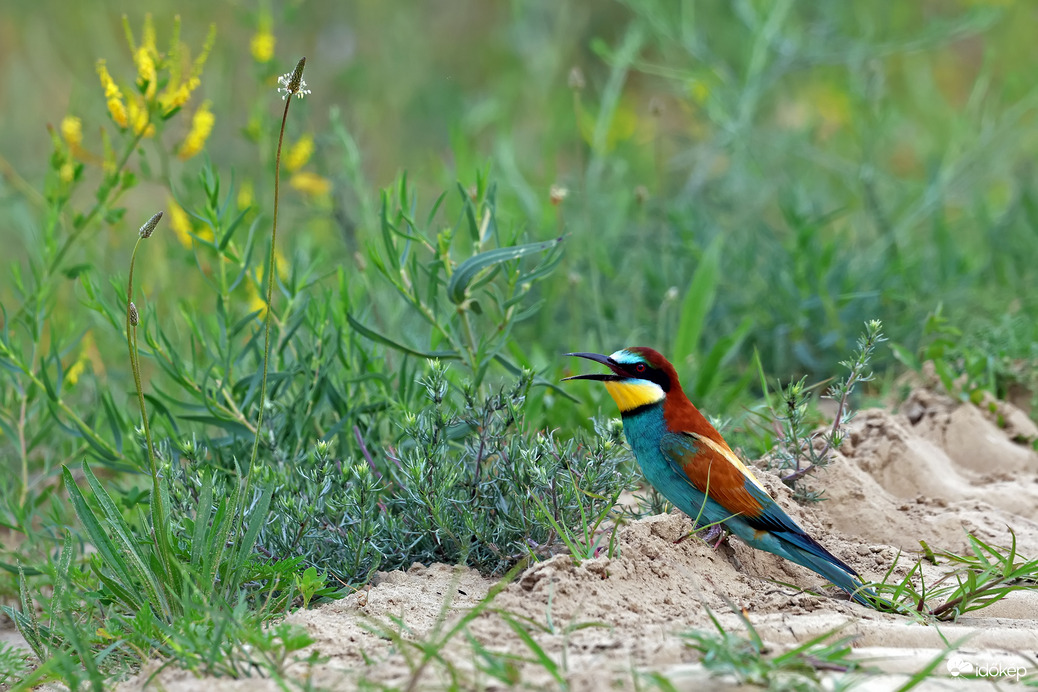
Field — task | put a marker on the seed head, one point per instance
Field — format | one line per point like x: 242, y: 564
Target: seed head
x: 557, y: 194
x: 149, y: 226
x: 293, y: 82
x: 576, y: 79
x: 134, y: 317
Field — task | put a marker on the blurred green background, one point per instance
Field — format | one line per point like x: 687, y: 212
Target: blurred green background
x: 852, y: 160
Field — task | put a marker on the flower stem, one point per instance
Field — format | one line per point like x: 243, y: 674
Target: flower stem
x: 271, y: 268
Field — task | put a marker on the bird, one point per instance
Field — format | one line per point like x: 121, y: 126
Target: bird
x: 684, y: 457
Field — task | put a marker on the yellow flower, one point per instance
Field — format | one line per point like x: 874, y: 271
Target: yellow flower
x: 256, y: 301
x: 180, y: 222
x: 113, y: 96
x: 263, y: 40
x: 299, y: 153
x: 67, y: 172
x: 87, y: 353
x: 111, y: 90
x: 262, y: 46
x: 146, y: 75
x: 201, y: 126
x: 310, y: 183
x: 172, y: 99
x: 139, y: 118
x: 183, y: 228
x: 148, y: 35
x: 178, y: 89
x: 245, y: 195
x: 118, y: 112
x: 73, y: 373
x: 72, y: 130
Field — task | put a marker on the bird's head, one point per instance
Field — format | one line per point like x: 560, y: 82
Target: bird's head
x: 638, y: 377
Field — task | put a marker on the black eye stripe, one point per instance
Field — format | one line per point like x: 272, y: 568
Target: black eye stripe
x: 647, y: 372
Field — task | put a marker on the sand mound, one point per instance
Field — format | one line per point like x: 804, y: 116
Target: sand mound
x: 932, y: 472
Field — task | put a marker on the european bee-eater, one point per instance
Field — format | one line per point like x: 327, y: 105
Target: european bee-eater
x: 688, y: 461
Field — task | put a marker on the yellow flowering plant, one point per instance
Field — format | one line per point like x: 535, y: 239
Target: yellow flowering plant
x: 163, y: 85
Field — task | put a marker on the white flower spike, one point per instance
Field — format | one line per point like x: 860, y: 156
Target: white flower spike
x: 293, y: 82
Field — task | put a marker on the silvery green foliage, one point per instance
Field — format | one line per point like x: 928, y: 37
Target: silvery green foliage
x: 455, y: 485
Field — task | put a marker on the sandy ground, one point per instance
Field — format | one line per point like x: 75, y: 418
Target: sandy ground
x: 933, y: 471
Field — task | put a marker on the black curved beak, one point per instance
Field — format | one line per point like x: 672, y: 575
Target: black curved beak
x: 618, y: 373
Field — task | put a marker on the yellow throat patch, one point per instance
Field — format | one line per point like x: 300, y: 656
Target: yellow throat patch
x: 630, y: 395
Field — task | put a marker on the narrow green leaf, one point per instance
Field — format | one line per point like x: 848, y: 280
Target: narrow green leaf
x: 59, y: 599
x: 699, y: 298
x: 112, y: 416
x: 906, y: 357
x: 723, y: 350
x: 470, y: 213
x: 467, y: 271
x: 231, y: 228
x: 233, y: 427
x: 396, y: 345
x: 15, y: 569
x: 245, y: 546
x: 386, y: 226
x: 218, y: 538
x: 98, y: 535
x: 134, y: 560
x: 28, y: 625
x: 202, y: 514
x: 541, y: 657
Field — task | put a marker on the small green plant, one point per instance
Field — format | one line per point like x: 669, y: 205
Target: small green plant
x: 746, y: 657
x: 464, y: 481
x: 994, y: 359
x: 584, y: 541
x: 984, y: 576
x: 14, y: 664
x: 311, y: 583
x: 800, y: 452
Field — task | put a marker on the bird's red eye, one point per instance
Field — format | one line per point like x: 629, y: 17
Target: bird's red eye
x: 639, y: 368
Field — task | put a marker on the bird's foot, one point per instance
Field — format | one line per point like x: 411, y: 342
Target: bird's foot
x: 716, y: 534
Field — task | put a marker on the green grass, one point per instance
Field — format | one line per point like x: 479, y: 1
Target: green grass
x: 740, y: 185
x: 986, y: 575
x: 749, y: 661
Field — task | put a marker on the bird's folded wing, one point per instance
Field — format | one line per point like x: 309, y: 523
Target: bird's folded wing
x: 710, y: 470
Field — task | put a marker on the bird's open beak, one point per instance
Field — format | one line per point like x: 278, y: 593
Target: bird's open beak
x: 598, y: 358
